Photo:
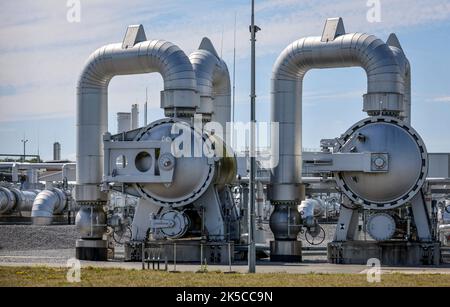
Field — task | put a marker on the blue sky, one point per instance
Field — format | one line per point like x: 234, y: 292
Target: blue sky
x: 41, y: 56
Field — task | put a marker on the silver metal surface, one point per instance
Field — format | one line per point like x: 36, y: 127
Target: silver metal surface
x: 285, y: 222
x: 192, y: 175
x: 15, y: 200
x: 180, y: 224
x: 91, y: 222
x: 179, y: 93
x: 47, y: 204
x: 286, y: 251
x: 367, y: 162
x: 408, y: 163
x: 7, y: 200
x: 24, y: 199
x: 386, y: 84
x: 422, y: 219
x: 396, y: 48
x: 213, y: 83
x: 381, y: 226
x: 138, y: 161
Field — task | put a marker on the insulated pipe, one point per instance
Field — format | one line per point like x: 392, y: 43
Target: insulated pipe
x: 24, y: 199
x: 48, y: 203
x: 27, y: 166
x: 405, y: 66
x: 213, y: 83
x: 15, y: 200
x: 134, y: 56
x: 385, y: 92
x: 7, y: 201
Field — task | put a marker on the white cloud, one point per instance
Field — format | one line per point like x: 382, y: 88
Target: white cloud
x: 445, y: 99
x: 44, y: 53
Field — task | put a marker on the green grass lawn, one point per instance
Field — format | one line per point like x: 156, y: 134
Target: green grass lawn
x: 43, y: 276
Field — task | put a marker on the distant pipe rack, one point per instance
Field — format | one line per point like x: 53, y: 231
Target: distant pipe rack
x: 38, y: 157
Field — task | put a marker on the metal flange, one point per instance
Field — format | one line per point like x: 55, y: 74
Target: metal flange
x: 396, y: 202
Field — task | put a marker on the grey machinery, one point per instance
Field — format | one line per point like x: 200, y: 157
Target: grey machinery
x: 380, y: 164
x: 182, y: 197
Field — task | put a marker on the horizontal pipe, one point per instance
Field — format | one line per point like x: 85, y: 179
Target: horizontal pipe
x: 7, y: 201
x: 15, y: 200
x: 27, y: 166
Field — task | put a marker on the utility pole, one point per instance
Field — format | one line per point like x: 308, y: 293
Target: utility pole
x: 234, y: 70
x: 24, y: 141
x: 251, y: 205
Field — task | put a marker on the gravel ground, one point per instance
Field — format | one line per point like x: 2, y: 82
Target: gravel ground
x: 56, y: 244
x: 27, y: 237
x: 47, y: 257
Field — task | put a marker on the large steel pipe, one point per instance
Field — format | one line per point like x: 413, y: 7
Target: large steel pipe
x: 13, y: 200
x: 388, y: 94
x: 179, y: 93
x: 7, y: 201
x: 213, y: 83
x: 386, y: 70
x: 46, y: 205
x: 135, y: 55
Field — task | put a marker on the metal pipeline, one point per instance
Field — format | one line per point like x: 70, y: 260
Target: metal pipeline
x: 7, y: 201
x: 213, y: 83
x: 15, y: 200
x: 24, y: 199
x: 135, y: 55
x: 48, y: 203
x: 395, y: 46
x: 386, y: 68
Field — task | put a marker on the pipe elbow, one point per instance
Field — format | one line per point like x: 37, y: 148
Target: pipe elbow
x: 46, y: 205
x: 135, y: 57
x: 213, y: 83
x: 213, y: 77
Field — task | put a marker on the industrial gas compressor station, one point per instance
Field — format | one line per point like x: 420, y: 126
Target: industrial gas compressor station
x: 386, y: 197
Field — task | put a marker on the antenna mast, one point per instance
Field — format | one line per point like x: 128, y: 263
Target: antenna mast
x: 145, y: 106
x: 251, y: 205
x: 234, y: 71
